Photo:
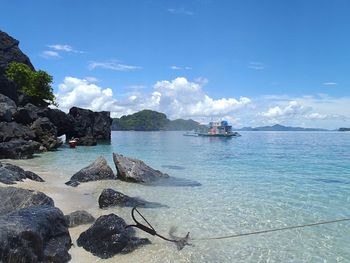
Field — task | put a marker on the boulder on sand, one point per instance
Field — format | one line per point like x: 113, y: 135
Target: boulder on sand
x: 110, y: 197
x: 109, y: 236
x: 98, y: 170
x: 10, y: 173
x: 34, y: 234
x: 80, y: 217
x: 13, y: 199
x: 134, y: 170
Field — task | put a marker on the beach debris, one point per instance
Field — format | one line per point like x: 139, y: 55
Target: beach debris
x: 98, y: 170
x: 79, y: 217
x: 109, y: 236
x: 110, y: 197
x: 134, y: 170
x: 10, y: 173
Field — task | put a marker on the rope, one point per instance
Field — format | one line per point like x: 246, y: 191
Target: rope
x: 271, y: 230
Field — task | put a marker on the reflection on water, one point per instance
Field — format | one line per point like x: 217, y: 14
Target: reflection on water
x: 259, y: 181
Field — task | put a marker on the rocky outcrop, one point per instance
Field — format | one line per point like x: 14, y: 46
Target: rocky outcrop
x: 109, y: 236
x: 27, y: 114
x: 14, y: 130
x: 7, y: 108
x: 90, y: 124
x: 9, y: 52
x: 62, y: 121
x: 10, y: 173
x: 110, y: 197
x: 18, y: 149
x: 98, y: 170
x: 13, y: 199
x: 134, y: 170
x: 80, y: 217
x: 46, y: 133
x: 34, y: 234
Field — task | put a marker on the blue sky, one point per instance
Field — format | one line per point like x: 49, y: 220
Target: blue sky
x: 252, y: 62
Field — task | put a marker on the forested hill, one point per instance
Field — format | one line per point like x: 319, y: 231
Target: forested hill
x: 148, y: 120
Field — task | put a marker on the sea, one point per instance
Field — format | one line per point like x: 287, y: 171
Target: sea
x: 219, y: 187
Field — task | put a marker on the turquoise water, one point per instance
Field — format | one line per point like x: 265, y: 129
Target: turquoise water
x: 259, y: 181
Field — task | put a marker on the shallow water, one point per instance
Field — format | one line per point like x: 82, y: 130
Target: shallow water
x: 220, y: 186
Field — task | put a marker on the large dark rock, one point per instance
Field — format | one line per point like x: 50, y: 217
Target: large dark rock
x: 9, y: 52
x: 27, y: 114
x: 109, y: 236
x: 90, y: 124
x: 10, y: 173
x: 62, y: 121
x: 98, y: 170
x: 7, y: 108
x: 34, y: 234
x: 46, y: 133
x: 87, y: 141
x: 13, y: 199
x: 18, y: 149
x: 110, y: 197
x: 80, y: 217
x: 134, y: 170
x: 14, y: 130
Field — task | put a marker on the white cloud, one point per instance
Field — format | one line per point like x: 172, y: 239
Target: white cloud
x: 292, y: 108
x: 180, y: 68
x: 256, y: 65
x: 180, y: 11
x: 329, y: 83
x: 112, y: 65
x: 65, y: 48
x: 91, y: 79
x: 178, y: 98
x: 48, y: 54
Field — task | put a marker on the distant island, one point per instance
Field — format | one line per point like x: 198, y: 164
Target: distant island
x: 148, y: 120
x: 344, y: 129
x: 278, y: 127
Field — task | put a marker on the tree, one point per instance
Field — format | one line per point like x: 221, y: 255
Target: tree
x: 32, y: 83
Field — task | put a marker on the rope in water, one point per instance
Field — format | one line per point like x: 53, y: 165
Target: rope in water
x: 271, y: 230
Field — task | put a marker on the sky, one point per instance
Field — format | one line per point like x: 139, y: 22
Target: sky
x: 251, y: 62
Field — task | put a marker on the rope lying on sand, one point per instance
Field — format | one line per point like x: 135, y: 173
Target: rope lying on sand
x: 182, y: 242
x: 272, y: 230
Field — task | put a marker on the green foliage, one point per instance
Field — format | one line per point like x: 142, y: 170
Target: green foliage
x: 148, y: 120
x: 32, y: 83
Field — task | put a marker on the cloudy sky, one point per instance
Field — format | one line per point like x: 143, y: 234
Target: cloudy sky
x: 251, y: 62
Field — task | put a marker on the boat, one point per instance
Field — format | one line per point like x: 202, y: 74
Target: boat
x: 215, y: 129
x: 73, y: 142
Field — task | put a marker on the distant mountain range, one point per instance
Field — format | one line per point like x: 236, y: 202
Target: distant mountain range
x: 148, y: 120
x: 278, y: 127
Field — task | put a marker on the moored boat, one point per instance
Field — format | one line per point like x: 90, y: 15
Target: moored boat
x: 73, y: 142
x: 216, y: 129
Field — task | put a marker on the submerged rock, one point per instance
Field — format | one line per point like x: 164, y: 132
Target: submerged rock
x: 98, y: 170
x: 110, y: 197
x: 18, y: 149
x: 13, y: 199
x: 109, y: 236
x: 80, y: 217
x: 134, y: 170
x: 34, y: 234
x: 10, y: 173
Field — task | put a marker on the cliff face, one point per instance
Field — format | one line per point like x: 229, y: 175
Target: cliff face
x: 9, y: 51
x: 28, y: 126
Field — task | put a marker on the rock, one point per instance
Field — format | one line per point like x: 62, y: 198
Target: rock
x: 18, y: 149
x: 98, y: 170
x: 13, y: 130
x: 27, y: 114
x: 46, y: 133
x: 62, y: 121
x: 110, y: 197
x: 34, y: 234
x: 7, y: 108
x: 90, y: 124
x: 109, y: 236
x: 134, y: 170
x: 79, y: 218
x: 13, y: 199
x: 10, y: 173
x: 87, y: 141
x: 9, y: 52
